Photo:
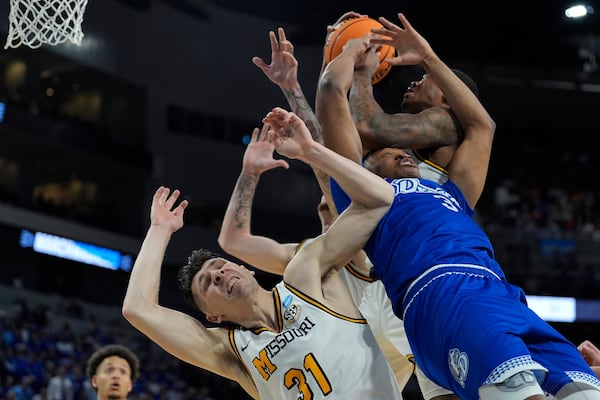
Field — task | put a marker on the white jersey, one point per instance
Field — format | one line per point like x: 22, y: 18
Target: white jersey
x: 428, y: 169
x: 372, y: 301
x: 315, y: 354
x: 386, y: 327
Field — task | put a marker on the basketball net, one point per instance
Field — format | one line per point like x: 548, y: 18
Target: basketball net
x: 35, y: 22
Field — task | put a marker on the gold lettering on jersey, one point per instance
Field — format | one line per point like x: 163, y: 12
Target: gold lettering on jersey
x: 263, y: 365
x: 264, y: 361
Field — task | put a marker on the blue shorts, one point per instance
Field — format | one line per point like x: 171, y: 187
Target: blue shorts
x: 468, y: 329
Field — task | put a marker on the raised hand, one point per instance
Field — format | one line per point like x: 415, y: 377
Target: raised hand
x: 163, y: 213
x: 346, y: 16
x: 330, y: 28
x: 283, y: 69
x: 357, y: 47
x: 289, y: 133
x: 258, y: 157
x: 368, y: 62
x: 411, y: 47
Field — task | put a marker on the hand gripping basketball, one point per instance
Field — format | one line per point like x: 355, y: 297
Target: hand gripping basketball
x: 354, y: 28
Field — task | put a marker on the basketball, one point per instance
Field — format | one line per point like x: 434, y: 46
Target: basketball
x: 355, y: 28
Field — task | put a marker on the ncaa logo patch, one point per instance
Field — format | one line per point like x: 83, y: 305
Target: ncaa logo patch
x: 458, y: 362
x: 288, y: 300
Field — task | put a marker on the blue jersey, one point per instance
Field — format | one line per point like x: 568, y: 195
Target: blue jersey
x: 439, y: 272
x: 428, y: 225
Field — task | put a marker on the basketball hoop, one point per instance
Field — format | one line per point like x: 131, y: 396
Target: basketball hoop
x: 37, y: 22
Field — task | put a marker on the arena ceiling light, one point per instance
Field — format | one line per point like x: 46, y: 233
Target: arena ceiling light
x: 578, y: 11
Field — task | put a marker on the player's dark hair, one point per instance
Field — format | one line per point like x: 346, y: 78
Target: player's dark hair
x: 467, y: 80
x: 186, y: 273
x: 113, y: 350
x: 370, y: 153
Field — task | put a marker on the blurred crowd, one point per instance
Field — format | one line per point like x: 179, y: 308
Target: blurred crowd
x: 551, y: 212
x: 545, y: 237
x: 45, y: 346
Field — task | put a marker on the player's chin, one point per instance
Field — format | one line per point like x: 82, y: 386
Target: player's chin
x: 409, y: 171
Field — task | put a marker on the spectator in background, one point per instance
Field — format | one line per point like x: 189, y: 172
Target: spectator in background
x: 23, y: 390
x: 10, y: 395
x: 41, y: 395
x: 112, y: 371
x: 60, y: 386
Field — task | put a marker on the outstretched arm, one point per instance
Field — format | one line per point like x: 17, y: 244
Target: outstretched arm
x: 431, y: 127
x: 176, y: 332
x: 371, y: 196
x: 235, y: 236
x: 283, y: 71
x: 469, y: 166
x: 333, y: 111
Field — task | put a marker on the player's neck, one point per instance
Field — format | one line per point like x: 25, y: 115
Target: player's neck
x: 262, y: 312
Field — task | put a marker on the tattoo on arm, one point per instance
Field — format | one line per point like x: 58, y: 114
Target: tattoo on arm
x: 244, y: 195
x: 436, y: 126
x: 432, y: 127
x: 302, y: 109
x: 362, y: 102
x: 300, y: 106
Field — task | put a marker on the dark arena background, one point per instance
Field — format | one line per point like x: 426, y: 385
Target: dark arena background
x: 163, y: 92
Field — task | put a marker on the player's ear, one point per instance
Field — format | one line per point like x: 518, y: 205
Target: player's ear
x: 215, y: 319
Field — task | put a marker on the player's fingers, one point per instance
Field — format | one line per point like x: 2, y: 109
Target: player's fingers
x: 380, y: 41
x: 260, y: 63
x: 158, y: 192
x: 164, y: 194
x: 263, y: 132
x: 173, y: 198
x: 281, y: 33
x: 389, y: 24
x: 273, y: 136
x: 271, y: 119
x: 405, y: 22
x: 282, y: 164
x: 286, y: 45
x: 182, y: 206
x: 348, y: 15
x: 382, y: 32
x: 273, y: 40
x: 394, y: 61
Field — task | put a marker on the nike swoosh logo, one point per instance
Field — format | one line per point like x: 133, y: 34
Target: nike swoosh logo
x: 246, y: 346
